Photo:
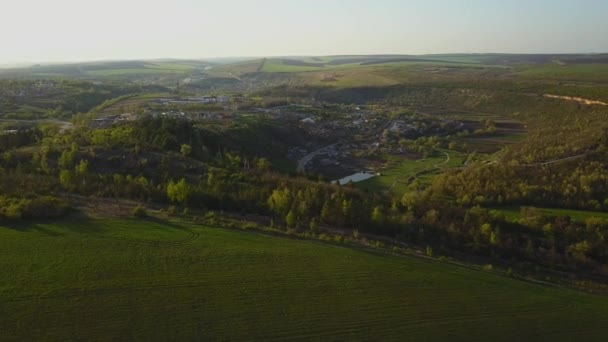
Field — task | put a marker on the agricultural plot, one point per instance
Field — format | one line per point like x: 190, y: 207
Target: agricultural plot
x: 99, y: 279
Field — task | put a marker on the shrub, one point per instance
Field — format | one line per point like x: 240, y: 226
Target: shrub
x: 172, y: 211
x: 250, y: 225
x: 140, y: 212
x: 36, y: 208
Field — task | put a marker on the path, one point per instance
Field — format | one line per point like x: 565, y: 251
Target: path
x: 576, y: 99
x: 557, y: 160
x: 305, y: 160
x: 238, y: 78
x: 447, y: 160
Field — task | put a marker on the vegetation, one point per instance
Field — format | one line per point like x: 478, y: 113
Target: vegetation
x: 459, y: 140
x: 107, y: 279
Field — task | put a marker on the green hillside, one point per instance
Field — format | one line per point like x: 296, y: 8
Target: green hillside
x: 98, y: 279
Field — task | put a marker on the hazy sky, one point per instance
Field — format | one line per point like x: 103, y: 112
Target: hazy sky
x: 76, y: 30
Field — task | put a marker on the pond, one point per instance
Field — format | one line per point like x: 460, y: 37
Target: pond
x: 357, y: 177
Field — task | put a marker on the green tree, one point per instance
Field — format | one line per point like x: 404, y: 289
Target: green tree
x: 66, y: 179
x: 263, y: 164
x: 66, y: 159
x: 82, y: 168
x: 185, y: 150
x: 314, y: 225
x: 280, y: 201
x: 178, y: 192
x: 378, y: 215
x: 290, y: 219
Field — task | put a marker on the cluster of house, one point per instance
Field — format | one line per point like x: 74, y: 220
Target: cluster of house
x: 203, y: 100
x: 112, y: 119
x: 37, y: 89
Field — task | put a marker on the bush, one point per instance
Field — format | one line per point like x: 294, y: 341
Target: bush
x: 250, y: 225
x: 140, y: 212
x: 172, y: 211
x: 37, y: 208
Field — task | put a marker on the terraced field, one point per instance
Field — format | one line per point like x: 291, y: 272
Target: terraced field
x: 100, y: 279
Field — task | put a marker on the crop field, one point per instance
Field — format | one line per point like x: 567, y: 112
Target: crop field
x: 102, y: 279
x: 513, y: 213
x: 400, y: 172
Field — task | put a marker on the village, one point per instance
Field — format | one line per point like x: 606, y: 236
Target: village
x: 340, y: 140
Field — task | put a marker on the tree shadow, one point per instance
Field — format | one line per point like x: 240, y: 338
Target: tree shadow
x: 79, y: 223
x: 73, y: 222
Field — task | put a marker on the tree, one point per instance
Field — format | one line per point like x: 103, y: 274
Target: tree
x: 280, y: 200
x: 178, y: 192
x: 377, y: 215
x: 139, y: 212
x: 290, y: 219
x: 314, y: 225
x: 185, y: 150
x: 263, y: 164
x: 66, y: 159
x: 65, y: 178
x: 82, y: 168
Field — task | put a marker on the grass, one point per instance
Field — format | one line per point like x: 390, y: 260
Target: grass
x: 582, y: 72
x: 110, y: 279
x: 400, y: 172
x: 513, y: 213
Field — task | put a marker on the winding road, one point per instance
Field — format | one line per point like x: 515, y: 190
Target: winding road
x: 306, y: 159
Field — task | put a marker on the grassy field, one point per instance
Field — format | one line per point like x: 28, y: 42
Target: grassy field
x: 112, y: 279
x: 398, y: 173
x: 513, y: 213
x: 121, y: 279
x: 582, y: 72
x: 110, y: 69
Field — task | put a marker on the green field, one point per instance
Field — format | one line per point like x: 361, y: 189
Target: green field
x: 116, y: 280
x: 583, y: 72
x: 513, y: 213
x: 399, y: 172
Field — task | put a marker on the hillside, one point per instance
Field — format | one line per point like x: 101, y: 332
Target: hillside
x: 104, y: 279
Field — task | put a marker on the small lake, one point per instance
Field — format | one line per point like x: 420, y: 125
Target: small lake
x: 357, y: 177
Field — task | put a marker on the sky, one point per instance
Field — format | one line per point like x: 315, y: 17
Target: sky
x: 83, y: 30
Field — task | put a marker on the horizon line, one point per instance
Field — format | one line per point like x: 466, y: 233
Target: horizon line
x: 16, y: 64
